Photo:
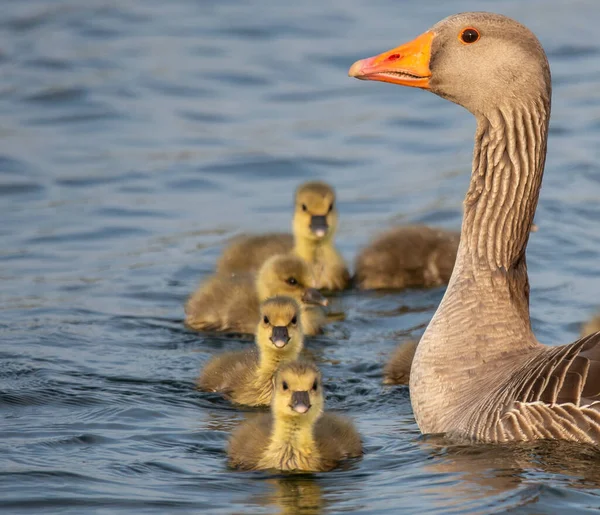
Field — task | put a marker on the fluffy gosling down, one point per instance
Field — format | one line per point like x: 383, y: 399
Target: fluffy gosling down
x: 407, y: 257
x: 397, y: 369
x: 232, y: 303
x: 246, y: 377
x: 296, y: 435
x: 314, y: 227
x: 411, y: 256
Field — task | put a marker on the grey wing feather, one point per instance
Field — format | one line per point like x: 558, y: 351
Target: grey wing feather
x: 555, y: 395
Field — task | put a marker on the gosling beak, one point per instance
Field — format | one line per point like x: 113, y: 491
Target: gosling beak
x: 314, y: 296
x: 407, y: 65
x: 319, y: 226
x: 280, y: 336
x: 300, y: 402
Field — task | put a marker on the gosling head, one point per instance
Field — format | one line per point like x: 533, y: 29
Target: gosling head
x: 290, y: 276
x: 279, y: 330
x: 298, y: 393
x: 315, y: 214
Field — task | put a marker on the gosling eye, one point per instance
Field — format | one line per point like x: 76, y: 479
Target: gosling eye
x: 291, y: 281
x: 294, y: 320
x: 469, y: 36
x: 315, y: 385
x: 266, y: 319
x: 284, y: 385
x: 330, y: 208
x: 304, y: 208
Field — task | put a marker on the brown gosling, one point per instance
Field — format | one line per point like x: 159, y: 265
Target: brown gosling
x: 411, y: 256
x: 407, y: 257
x: 314, y: 226
x: 232, y: 303
x: 296, y: 435
x: 246, y: 377
x: 591, y: 326
x: 397, y: 369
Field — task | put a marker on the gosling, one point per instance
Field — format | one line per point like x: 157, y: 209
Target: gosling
x: 314, y: 227
x: 296, y: 435
x: 232, y: 303
x: 397, y: 369
x: 411, y: 256
x: 407, y: 257
x: 246, y: 377
x: 591, y: 326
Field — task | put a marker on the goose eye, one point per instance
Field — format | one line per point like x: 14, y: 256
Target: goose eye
x: 315, y: 385
x: 294, y: 320
x: 266, y: 319
x: 469, y: 36
x: 330, y: 208
x: 284, y: 385
x: 304, y: 208
x: 292, y: 281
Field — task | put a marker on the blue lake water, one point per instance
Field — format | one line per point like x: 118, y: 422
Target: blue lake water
x: 136, y: 137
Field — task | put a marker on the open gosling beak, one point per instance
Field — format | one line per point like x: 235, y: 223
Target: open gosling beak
x: 314, y: 296
x: 300, y: 402
x: 407, y: 65
x: 319, y: 226
x: 280, y: 337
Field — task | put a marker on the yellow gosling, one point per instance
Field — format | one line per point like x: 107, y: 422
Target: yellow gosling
x: 246, y: 377
x: 314, y: 226
x: 296, y: 435
x: 232, y: 304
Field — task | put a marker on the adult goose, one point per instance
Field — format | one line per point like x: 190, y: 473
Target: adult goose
x: 479, y: 372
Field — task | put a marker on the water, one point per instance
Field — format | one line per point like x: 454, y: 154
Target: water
x: 136, y: 137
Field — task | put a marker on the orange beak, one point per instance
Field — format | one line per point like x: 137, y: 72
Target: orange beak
x: 407, y: 65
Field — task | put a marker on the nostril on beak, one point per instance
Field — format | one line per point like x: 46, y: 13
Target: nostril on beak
x: 314, y: 296
x: 300, y: 402
x: 280, y: 336
x: 319, y: 226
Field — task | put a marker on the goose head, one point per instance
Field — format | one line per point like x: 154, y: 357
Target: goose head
x: 477, y: 60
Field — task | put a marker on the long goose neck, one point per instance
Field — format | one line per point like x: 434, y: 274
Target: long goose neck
x: 508, y: 164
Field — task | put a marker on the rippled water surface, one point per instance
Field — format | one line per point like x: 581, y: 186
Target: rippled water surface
x: 136, y: 137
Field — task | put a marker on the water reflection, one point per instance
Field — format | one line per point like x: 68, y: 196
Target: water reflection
x: 291, y: 495
x: 480, y: 478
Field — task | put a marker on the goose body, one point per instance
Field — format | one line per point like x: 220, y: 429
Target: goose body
x: 405, y: 257
x: 479, y: 372
x: 296, y: 435
x: 246, y: 377
x: 232, y: 303
x: 314, y: 227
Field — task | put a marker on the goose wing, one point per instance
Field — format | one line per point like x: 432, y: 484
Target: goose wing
x: 555, y: 395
